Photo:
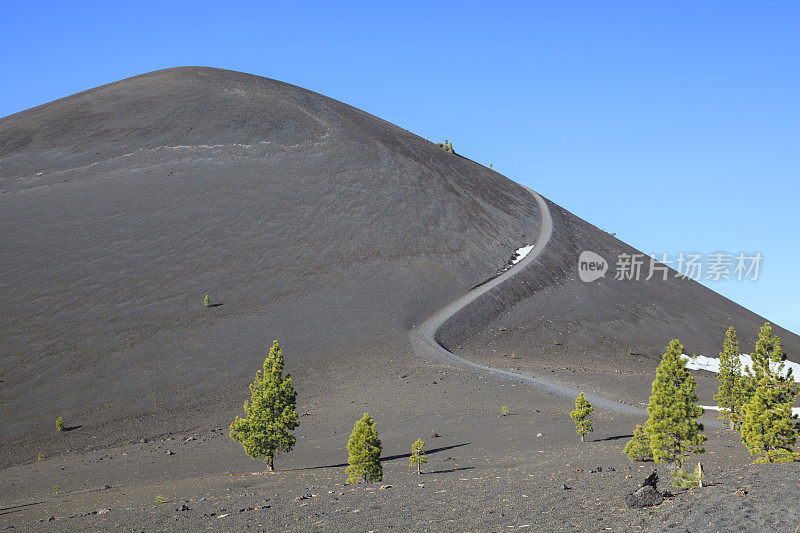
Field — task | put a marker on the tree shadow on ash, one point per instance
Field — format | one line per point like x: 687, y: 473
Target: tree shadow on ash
x: 387, y: 458
x: 16, y: 508
x: 447, y: 471
x: 72, y: 428
x: 214, y: 305
x: 615, y: 437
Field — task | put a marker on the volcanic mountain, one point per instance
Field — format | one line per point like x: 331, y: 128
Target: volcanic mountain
x: 307, y: 221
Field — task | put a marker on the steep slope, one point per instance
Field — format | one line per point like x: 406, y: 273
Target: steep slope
x: 605, y: 335
x: 308, y: 220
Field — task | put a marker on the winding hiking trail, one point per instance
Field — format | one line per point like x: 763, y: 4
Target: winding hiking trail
x: 423, y: 337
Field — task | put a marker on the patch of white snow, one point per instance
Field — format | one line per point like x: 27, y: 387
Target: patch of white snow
x: 711, y: 364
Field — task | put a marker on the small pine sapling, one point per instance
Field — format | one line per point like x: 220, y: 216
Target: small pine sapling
x: 583, y: 410
x: 682, y: 479
x: 60, y: 424
x: 364, y: 448
x: 504, y: 410
x: 206, y: 301
x: 417, y: 456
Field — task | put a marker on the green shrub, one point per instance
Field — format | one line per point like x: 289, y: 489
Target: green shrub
x: 417, y: 456
x: 161, y: 499
x: 206, y: 301
x: 60, y: 424
x: 682, y: 479
x: 364, y: 448
x: 446, y: 146
x: 504, y: 410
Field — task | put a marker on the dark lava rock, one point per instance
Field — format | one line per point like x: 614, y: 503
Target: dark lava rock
x: 599, y: 468
x: 435, y: 435
x: 651, y: 480
x: 611, y: 469
x: 645, y: 496
x: 183, y: 507
x: 564, y: 487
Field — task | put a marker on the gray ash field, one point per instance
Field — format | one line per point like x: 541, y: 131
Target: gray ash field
x: 337, y: 233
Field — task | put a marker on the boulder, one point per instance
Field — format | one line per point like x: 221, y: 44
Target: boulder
x: 646, y: 496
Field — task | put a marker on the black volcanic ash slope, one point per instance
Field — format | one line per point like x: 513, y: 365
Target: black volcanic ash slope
x: 310, y: 221
x: 553, y: 319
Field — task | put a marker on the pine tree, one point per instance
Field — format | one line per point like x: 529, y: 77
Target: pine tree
x: 729, y: 376
x: 674, y: 433
x: 638, y: 448
x: 583, y: 410
x: 768, y: 428
x: 417, y: 456
x: 364, y: 447
x: 271, y: 415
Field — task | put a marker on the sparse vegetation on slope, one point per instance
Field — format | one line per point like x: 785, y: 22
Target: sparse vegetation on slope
x: 446, y: 146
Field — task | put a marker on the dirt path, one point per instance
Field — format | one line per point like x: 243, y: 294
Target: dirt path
x: 423, y: 337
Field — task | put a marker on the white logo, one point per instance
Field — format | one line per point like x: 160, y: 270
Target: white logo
x: 591, y: 266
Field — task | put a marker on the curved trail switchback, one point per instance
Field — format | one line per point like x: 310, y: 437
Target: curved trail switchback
x: 423, y: 337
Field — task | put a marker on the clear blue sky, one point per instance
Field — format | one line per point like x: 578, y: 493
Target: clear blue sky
x: 674, y: 124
